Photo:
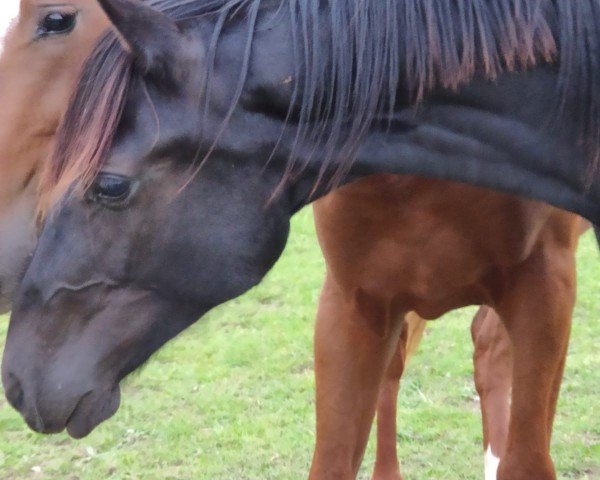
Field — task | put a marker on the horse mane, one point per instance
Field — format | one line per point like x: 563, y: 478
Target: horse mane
x: 381, y: 54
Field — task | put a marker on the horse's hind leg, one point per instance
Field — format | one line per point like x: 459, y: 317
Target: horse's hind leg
x: 537, y: 314
x: 493, y: 365
x: 386, y: 460
x: 352, y: 350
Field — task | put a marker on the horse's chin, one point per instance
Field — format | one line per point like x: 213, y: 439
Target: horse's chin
x: 93, y: 409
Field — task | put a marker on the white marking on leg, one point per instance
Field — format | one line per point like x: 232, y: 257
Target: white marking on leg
x: 491, y: 464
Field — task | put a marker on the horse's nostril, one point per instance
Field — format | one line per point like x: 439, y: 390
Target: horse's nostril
x: 14, y: 392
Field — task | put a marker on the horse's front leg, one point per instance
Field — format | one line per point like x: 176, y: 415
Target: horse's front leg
x: 537, y: 314
x: 355, y: 337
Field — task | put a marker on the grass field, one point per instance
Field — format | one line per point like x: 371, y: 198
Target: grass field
x: 232, y: 398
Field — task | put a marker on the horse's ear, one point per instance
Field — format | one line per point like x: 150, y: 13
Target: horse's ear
x: 152, y: 38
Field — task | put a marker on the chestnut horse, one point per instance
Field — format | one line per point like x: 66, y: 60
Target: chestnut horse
x: 488, y: 248
x: 60, y: 29
x: 42, y: 55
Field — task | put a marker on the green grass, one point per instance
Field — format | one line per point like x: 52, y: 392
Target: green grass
x: 232, y: 398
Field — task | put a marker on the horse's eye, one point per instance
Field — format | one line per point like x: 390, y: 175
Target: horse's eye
x: 57, y: 23
x: 111, y: 189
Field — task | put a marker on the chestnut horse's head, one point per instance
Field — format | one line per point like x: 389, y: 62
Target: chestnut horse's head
x: 42, y: 55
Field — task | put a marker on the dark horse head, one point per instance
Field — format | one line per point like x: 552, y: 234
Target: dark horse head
x: 198, y: 130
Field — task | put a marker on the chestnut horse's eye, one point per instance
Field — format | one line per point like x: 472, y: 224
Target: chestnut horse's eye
x: 111, y: 189
x: 57, y: 23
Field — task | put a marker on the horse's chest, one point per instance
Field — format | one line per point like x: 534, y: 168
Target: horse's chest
x: 423, y: 243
